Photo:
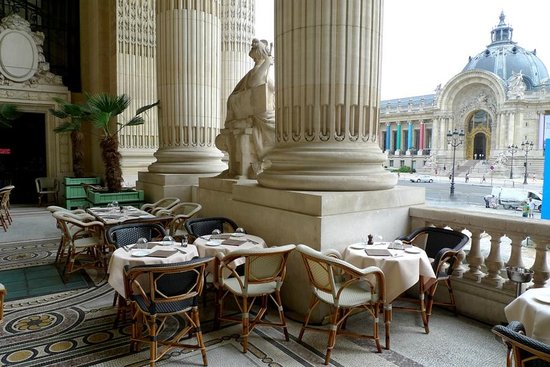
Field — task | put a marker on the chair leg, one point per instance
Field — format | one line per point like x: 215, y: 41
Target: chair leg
x: 198, y: 333
x: 423, y: 311
x: 332, y: 334
x: 153, y: 340
x: 281, y: 314
x: 451, y: 295
x: 246, y: 325
x: 387, y: 322
x: 312, y: 304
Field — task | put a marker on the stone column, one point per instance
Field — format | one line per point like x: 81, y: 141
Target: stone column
x: 188, y: 75
x: 399, y: 139
x: 540, y: 139
x: 237, y: 22
x: 421, y: 138
x: 327, y: 55
x: 410, y: 137
x: 388, y: 136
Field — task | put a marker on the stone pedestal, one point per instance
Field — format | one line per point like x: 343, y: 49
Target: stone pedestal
x: 322, y: 220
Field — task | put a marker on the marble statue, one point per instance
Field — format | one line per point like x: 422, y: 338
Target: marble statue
x: 249, y: 129
x: 516, y: 86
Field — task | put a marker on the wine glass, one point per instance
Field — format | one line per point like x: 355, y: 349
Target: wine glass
x: 378, y: 238
x: 141, y: 243
x: 168, y: 241
x: 184, y: 241
x: 216, y: 232
x: 239, y: 232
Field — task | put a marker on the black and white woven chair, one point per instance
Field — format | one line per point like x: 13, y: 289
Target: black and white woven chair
x: 523, y: 351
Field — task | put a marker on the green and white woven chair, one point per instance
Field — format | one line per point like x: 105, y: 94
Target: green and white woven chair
x: 347, y: 290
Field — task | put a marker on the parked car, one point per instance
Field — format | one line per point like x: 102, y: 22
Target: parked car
x: 422, y: 178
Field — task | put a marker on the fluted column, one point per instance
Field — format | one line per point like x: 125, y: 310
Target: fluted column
x: 327, y: 55
x: 188, y: 59
x: 237, y: 22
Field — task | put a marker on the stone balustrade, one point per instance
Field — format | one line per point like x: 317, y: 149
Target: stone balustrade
x: 497, y: 242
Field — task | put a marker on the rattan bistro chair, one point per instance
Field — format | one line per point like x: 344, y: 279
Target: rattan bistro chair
x: 264, y: 273
x: 197, y: 227
x: 46, y: 186
x: 180, y: 213
x: 443, y: 246
x: 346, y: 289
x: 162, y: 204
x: 161, y: 291
x: 85, y: 243
x: 522, y: 350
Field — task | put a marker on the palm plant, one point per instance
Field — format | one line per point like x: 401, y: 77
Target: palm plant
x: 104, y: 108
x: 8, y: 112
x: 75, y: 115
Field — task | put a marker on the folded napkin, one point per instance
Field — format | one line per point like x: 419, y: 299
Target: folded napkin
x: 231, y: 242
x: 162, y: 253
x: 220, y: 236
x: 378, y: 252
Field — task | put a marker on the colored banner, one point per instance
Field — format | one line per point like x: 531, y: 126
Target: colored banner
x: 545, y: 213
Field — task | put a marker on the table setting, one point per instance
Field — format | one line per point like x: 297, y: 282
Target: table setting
x: 147, y: 252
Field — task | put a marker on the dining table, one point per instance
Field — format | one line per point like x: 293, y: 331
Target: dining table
x: 402, y: 268
x: 532, y: 309
x: 117, y: 215
x: 157, y: 252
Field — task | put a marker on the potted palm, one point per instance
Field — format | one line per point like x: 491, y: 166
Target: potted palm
x: 104, y: 109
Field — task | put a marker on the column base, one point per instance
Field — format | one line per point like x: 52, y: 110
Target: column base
x: 192, y: 160
x: 327, y: 167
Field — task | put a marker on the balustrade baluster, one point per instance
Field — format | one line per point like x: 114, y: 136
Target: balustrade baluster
x: 474, y: 257
x: 494, y: 263
x: 540, y: 267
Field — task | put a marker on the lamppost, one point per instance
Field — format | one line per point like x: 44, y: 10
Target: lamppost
x: 526, y: 146
x: 512, y: 149
x: 454, y: 139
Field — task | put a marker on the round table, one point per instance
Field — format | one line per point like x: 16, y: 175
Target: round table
x: 121, y: 258
x: 532, y: 309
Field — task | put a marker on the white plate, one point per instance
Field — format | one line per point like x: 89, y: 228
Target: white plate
x: 214, y: 243
x: 544, y: 298
x: 412, y: 250
x: 358, y: 246
x: 140, y: 253
x: 238, y: 234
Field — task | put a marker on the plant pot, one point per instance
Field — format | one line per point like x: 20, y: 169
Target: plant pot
x: 129, y: 197
x: 75, y: 195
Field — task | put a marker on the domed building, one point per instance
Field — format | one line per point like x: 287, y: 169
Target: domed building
x: 499, y: 101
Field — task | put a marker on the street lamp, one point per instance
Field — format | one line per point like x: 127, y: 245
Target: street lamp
x: 512, y: 149
x: 454, y: 139
x: 526, y: 146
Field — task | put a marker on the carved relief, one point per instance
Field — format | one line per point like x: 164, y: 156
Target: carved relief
x: 22, y: 58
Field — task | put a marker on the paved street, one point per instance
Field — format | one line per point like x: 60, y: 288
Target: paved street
x: 468, y: 195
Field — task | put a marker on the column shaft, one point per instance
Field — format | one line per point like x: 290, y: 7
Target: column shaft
x: 188, y: 74
x: 327, y: 55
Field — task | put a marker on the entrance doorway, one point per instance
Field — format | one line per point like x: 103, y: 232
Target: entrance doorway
x: 480, y: 143
x: 23, y: 156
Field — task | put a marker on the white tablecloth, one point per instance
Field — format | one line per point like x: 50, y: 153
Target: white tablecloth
x: 533, y: 313
x: 121, y: 258
x: 401, y: 272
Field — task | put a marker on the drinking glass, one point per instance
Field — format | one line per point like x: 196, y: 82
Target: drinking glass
x: 184, y: 241
x: 141, y: 243
x: 216, y: 232
x: 168, y: 241
x: 240, y: 230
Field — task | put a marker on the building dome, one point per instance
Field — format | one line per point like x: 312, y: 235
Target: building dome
x: 505, y: 58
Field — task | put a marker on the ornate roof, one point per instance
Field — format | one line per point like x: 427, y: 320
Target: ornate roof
x: 506, y: 59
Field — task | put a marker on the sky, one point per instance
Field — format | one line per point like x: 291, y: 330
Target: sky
x: 427, y: 42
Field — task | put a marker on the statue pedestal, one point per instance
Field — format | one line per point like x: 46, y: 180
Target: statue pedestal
x: 322, y: 220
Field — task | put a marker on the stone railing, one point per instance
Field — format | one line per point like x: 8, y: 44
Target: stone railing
x: 497, y: 242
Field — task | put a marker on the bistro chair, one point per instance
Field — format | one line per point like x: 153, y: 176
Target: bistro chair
x: 522, y: 350
x: 443, y: 247
x: 46, y: 186
x: 85, y: 243
x: 79, y: 214
x: 5, y: 216
x: 159, y: 292
x: 264, y: 273
x: 180, y: 213
x: 346, y: 289
x: 162, y: 204
x: 197, y: 227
